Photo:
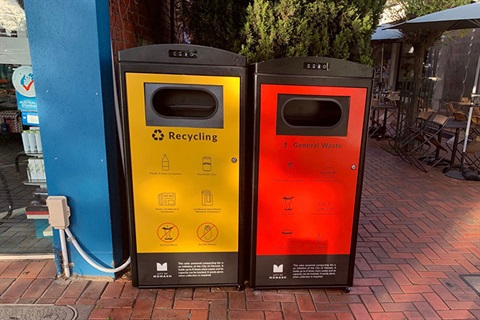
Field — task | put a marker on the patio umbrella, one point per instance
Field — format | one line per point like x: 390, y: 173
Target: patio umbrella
x: 385, y: 33
x: 461, y: 17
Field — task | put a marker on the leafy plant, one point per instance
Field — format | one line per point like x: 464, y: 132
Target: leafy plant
x: 268, y: 29
x: 216, y: 23
x: 285, y: 28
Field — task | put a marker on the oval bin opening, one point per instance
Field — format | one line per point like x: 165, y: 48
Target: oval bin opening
x: 312, y: 113
x: 187, y: 103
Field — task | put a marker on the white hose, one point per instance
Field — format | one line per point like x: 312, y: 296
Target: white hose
x: 90, y: 261
x: 63, y: 244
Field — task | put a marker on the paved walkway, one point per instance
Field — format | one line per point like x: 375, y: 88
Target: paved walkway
x: 419, y: 233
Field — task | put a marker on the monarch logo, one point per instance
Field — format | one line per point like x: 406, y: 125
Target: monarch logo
x: 158, y: 135
x: 277, y: 273
x: 277, y: 269
x: 162, y: 271
x: 162, y: 267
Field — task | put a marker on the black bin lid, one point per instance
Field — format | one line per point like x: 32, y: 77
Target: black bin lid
x: 314, y: 66
x: 181, y: 54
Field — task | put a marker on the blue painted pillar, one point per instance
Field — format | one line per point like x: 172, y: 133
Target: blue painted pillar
x: 72, y: 67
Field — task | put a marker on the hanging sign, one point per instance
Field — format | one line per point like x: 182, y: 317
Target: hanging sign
x: 24, y: 84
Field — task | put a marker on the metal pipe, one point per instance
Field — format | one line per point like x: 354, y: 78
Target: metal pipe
x: 477, y: 73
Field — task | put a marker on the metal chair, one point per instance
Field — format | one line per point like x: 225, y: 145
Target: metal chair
x: 423, y: 147
x: 405, y: 138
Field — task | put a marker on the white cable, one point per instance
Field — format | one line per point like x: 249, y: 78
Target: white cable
x: 90, y: 261
x: 63, y: 244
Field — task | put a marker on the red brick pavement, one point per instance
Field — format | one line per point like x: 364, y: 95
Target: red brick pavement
x: 418, y: 233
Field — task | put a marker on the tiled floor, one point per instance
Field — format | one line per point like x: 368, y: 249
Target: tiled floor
x: 10, y: 146
x: 419, y: 232
x: 17, y: 233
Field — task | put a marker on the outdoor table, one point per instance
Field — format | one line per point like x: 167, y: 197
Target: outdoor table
x: 462, y: 104
x: 457, y: 125
x: 387, y: 108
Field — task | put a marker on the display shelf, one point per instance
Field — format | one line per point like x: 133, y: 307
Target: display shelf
x: 37, y: 210
x: 37, y: 216
x: 34, y: 154
x: 29, y: 155
x: 48, y: 232
x: 41, y: 183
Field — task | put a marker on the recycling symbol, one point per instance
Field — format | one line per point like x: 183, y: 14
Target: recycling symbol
x: 158, y: 135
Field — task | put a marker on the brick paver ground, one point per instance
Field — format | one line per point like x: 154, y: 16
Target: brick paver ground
x: 418, y: 234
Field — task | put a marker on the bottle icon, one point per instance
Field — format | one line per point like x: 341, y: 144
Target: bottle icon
x: 207, y: 232
x: 165, y: 163
x: 289, y: 169
x: 207, y: 198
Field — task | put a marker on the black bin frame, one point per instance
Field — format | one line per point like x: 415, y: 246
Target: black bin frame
x: 307, y: 71
x: 184, y: 59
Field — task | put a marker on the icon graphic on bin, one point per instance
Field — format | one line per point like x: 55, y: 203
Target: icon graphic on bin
x: 162, y: 267
x: 207, y: 198
x: 168, y: 232
x: 278, y: 268
x: 328, y: 172
x: 289, y: 169
x: 158, y: 135
x: 167, y: 199
x: 207, y: 232
x: 206, y: 164
x: 165, y: 163
x: 288, y: 203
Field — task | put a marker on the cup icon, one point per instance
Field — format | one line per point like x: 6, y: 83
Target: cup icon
x: 206, y: 164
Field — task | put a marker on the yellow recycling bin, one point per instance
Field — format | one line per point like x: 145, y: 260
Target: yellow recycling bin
x: 183, y: 125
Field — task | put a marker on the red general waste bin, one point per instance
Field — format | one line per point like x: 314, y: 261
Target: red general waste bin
x: 310, y: 135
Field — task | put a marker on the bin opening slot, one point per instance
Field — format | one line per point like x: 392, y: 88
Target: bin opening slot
x: 183, y: 102
x: 308, y: 112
